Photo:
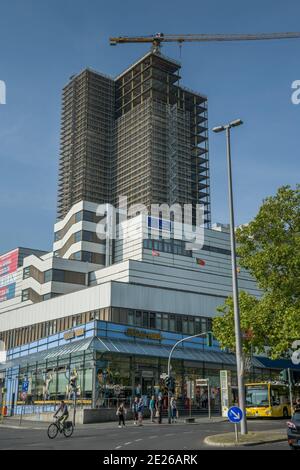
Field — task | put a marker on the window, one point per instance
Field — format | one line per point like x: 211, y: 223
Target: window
x: 116, y: 315
x: 92, y: 277
x: 197, y: 325
x: 158, y: 321
x: 48, y: 275
x: 138, y: 318
x: 191, y: 325
x: 78, y: 216
x: 26, y: 272
x: 165, y: 322
x: 152, y: 322
x: 89, y: 216
x: 77, y: 237
x: 130, y: 317
x: 179, y: 324
x: 87, y: 236
x: 77, y: 256
x: 123, y: 315
x: 86, y: 256
x: 58, y: 275
x: 25, y: 295
x: 172, y: 323
x: 185, y: 328
x: 145, y: 319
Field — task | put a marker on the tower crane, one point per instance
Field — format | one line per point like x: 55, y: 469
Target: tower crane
x: 157, y: 39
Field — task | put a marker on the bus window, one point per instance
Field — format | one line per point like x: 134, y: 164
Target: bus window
x: 257, y: 396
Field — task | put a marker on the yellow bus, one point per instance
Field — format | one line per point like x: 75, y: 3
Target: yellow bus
x: 267, y: 400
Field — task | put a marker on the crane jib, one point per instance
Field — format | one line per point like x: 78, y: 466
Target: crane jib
x: 159, y: 38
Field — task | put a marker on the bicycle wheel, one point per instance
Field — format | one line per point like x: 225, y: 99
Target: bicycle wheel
x: 68, y: 430
x: 52, y: 431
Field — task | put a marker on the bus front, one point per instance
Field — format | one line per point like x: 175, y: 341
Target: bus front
x: 258, y: 400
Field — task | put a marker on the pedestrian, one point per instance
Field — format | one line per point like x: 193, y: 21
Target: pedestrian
x: 159, y: 407
x: 152, y: 407
x: 173, y: 407
x: 297, y: 406
x: 121, y: 412
x: 140, y: 410
x: 135, y: 410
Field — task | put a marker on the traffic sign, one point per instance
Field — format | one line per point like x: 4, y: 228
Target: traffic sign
x: 202, y: 382
x: 25, y: 386
x: 235, y: 414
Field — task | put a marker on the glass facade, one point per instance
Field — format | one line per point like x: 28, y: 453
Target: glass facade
x: 131, y: 363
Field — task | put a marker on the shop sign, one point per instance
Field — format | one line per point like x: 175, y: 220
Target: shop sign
x: 225, y: 388
x: 143, y: 334
x: 190, y: 389
x: 74, y: 333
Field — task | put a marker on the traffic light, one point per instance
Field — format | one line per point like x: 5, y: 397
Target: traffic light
x: 170, y: 383
x: 284, y: 376
x: 209, y: 339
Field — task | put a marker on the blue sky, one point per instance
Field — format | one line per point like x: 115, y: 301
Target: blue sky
x: 42, y: 43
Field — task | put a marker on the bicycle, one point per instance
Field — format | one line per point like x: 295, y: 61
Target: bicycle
x: 54, y: 428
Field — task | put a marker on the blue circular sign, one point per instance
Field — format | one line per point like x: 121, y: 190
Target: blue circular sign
x: 235, y: 414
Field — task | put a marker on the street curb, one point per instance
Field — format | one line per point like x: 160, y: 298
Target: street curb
x: 208, y: 442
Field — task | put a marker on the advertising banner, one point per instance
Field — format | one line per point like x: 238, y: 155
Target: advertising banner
x: 8, y: 268
x: 9, y: 262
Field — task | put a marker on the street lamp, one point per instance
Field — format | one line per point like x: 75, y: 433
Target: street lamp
x: 237, y: 322
x: 209, y: 337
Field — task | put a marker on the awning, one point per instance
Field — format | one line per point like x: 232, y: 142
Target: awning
x: 153, y: 350
x: 50, y: 354
x: 267, y: 363
x: 140, y: 348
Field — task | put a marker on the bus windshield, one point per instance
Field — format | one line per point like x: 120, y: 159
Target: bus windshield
x: 257, y: 396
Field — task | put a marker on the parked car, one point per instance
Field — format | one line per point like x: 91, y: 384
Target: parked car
x: 293, y: 431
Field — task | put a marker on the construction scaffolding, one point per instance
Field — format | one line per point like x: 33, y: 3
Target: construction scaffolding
x: 141, y: 135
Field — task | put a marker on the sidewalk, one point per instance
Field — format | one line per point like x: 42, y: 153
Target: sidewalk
x: 14, y: 423
x: 250, y: 439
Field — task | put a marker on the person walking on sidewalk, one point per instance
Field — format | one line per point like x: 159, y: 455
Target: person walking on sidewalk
x: 140, y: 410
x: 135, y: 410
x: 152, y: 407
x: 121, y: 412
x: 159, y: 408
x: 173, y: 406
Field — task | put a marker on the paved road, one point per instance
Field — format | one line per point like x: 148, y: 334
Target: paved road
x: 110, y: 437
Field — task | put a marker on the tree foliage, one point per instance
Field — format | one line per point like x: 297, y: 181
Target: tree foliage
x: 269, y: 248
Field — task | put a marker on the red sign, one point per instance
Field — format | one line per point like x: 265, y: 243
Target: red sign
x: 9, y: 262
x: 8, y: 267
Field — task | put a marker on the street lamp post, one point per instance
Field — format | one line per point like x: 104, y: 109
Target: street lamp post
x: 237, y: 322
x: 169, y: 365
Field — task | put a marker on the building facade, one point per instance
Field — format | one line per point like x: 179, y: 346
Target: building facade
x: 141, y: 135
x: 113, y: 333
x: 104, y: 307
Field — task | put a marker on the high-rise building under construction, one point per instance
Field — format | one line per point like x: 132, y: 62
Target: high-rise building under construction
x: 141, y: 135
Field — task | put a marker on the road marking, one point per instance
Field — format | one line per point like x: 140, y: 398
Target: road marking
x: 152, y: 437
x: 168, y: 435
x: 118, y: 447
x: 138, y: 440
x: 127, y: 443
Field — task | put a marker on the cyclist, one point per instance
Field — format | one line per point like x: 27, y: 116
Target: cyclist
x: 63, y: 409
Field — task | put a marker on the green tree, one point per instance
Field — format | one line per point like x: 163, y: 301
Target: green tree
x: 269, y: 248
